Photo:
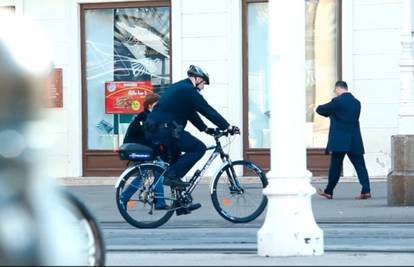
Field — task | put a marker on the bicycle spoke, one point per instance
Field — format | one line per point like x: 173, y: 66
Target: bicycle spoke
x: 240, y: 201
x: 143, y: 208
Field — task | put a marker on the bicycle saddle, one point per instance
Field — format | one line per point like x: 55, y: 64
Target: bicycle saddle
x: 135, y: 152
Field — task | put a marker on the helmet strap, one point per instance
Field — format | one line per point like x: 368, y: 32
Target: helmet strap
x: 197, y: 84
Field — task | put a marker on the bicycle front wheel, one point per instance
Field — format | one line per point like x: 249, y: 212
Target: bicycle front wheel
x: 143, y: 200
x: 239, y: 198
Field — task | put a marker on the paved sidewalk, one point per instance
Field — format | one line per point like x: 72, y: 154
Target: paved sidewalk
x: 356, y: 232
x: 96, y: 180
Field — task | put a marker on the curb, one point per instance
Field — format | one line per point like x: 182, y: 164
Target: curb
x: 99, y: 180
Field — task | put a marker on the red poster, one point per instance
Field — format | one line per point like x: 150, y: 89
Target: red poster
x: 126, y: 97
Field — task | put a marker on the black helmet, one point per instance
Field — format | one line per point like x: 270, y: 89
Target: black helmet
x: 194, y: 71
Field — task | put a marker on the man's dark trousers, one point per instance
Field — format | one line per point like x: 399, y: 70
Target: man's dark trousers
x: 335, y: 168
x: 194, y: 150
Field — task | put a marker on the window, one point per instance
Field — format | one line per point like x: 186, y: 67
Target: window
x: 122, y: 45
x: 258, y: 74
x: 322, y: 61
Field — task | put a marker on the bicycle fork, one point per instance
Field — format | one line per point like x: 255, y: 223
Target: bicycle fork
x: 234, y: 184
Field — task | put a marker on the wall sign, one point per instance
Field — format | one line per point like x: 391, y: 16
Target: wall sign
x: 54, y: 94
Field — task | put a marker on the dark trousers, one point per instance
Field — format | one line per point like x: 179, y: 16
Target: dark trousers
x: 335, y: 168
x: 193, y: 150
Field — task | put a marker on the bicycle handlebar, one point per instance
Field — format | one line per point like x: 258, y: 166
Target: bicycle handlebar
x: 220, y: 133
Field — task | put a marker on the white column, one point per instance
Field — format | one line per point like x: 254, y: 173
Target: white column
x: 289, y: 228
x: 406, y: 111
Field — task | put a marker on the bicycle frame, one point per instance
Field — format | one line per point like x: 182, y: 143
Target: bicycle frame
x: 199, y: 173
x: 218, y: 150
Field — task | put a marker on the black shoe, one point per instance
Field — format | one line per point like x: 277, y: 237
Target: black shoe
x: 165, y: 207
x: 187, y: 210
x: 175, y: 182
x: 194, y: 206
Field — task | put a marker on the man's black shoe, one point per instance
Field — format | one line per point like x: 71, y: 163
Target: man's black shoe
x: 165, y: 207
x: 175, y: 182
x: 194, y: 206
x: 187, y: 210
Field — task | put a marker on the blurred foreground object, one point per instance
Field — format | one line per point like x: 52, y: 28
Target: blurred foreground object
x: 36, y: 226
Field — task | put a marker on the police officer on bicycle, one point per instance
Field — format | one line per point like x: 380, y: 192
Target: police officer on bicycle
x: 180, y: 103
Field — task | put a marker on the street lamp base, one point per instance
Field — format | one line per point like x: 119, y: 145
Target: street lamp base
x: 289, y: 228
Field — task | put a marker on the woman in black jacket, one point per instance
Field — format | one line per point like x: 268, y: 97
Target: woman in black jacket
x: 135, y: 132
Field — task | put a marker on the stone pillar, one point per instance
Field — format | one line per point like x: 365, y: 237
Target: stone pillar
x: 401, y: 177
x: 289, y: 228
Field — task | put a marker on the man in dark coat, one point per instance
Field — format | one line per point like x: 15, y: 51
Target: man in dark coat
x: 182, y: 102
x: 344, y: 138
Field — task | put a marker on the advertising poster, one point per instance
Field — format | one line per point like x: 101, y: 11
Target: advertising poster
x: 126, y: 97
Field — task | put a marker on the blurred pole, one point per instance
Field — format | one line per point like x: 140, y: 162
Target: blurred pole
x: 19, y: 244
x: 34, y: 225
x: 289, y: 228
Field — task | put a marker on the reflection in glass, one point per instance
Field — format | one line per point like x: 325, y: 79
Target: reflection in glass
x: 141, y: 48
x: 321, y: 62
x: 321, y: 52
x: 259, y: 106
x: 123, y: 44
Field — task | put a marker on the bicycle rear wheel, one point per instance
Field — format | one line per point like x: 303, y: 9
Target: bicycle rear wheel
x: 140, y: 203
x: 239, y: 199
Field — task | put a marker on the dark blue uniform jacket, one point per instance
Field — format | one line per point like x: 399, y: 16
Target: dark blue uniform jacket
x: 344, y: 131
x: 181, y: 102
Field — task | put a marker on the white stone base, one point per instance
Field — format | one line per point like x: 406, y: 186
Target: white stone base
x: 289, y: 228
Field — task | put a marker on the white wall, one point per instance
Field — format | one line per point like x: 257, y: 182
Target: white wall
x: 372, y: 65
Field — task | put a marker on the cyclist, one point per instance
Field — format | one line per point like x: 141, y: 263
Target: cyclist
x: 180, y: 103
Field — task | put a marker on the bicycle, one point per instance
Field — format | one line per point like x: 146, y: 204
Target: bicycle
x: 227, y: 188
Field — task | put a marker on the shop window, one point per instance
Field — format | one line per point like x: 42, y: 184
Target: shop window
x: 322, y: 61
x: 122, y: 45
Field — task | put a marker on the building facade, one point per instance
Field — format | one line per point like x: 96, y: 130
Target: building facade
x: 154, y: 42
